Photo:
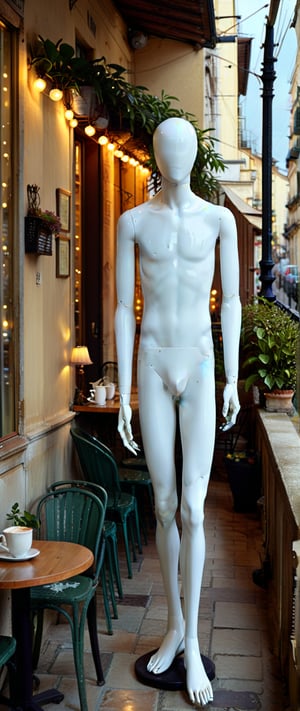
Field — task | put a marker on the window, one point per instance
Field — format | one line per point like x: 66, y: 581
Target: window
x: 7, y: 331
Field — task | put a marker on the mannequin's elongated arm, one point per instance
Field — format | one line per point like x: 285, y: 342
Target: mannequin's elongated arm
x: 230, y: 313
x: 125, y: 324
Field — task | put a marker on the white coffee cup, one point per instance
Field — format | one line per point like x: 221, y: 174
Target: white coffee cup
x: 110, y: 391
x: 100, y: 394
x: 17, y: 540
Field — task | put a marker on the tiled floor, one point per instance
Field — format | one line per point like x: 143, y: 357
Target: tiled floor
x: 233, y: 627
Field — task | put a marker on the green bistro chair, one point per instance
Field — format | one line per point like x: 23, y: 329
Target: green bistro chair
x: 135, y: 479
x: 76, y: 515
x: 7, y: 650
x: 110, y: 571
x: 99, y: 466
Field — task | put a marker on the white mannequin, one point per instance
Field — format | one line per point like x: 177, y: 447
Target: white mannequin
x: 176, y: 233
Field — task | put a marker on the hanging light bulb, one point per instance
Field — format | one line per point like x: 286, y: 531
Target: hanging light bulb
x: 118, y: 153
x: 125, y: 158
x: 69, y: 113
x: 103, y: 140
x: 110, y: 146
x: 73, y: 123
x: 40, y: 84
x: 56, y: 94
x: 90, y: 130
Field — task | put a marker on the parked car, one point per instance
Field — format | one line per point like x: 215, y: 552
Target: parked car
x: 289, y: 277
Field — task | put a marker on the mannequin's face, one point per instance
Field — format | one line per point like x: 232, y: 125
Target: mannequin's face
x: 175, y: 149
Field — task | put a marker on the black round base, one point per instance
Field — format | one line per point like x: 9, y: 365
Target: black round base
x: 174, y: 679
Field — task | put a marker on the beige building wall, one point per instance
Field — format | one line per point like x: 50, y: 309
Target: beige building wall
x: 293, y: 220
x: 226, y: 96
x: 48, y: 162
x: 251, y: 175
x: 46, y: 320
x: 176, y: 69
x: 280, y: 191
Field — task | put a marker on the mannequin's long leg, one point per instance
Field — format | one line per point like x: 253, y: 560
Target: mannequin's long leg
x: 197, y: 415
x: 158, y: 433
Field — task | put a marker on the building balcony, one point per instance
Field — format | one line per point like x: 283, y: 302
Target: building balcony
x: 278, y: 441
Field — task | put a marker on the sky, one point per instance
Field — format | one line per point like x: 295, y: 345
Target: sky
x: 252, y: 24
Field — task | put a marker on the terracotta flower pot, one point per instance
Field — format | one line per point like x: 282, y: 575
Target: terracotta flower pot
x: 279, y: 401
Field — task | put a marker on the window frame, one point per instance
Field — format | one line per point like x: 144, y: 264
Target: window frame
x: 10, y: 440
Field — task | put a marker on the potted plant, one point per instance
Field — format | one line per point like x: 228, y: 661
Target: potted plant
x: 269, y: 340
x: 19, y: 518
x: 244, y: 476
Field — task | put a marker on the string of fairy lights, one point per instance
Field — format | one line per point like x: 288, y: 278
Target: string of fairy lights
x: 56, y: 95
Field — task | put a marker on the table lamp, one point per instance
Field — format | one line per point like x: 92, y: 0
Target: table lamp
x: 80, y: 357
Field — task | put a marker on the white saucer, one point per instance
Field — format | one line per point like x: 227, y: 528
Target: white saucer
x: 32, y: 553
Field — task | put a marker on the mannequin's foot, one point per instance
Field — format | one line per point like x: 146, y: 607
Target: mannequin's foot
x: 197, y: 683
x: 172, y: 644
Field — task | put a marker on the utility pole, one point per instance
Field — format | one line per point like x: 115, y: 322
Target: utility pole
x: 268, y: 78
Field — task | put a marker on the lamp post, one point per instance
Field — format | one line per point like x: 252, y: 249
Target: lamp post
x: 268, y: 78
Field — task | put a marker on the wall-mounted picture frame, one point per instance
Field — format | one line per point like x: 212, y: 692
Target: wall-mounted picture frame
x: 62, y: 256
x: 63, y: 208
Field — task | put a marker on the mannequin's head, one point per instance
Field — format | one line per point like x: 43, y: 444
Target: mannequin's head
x: 175, y: 148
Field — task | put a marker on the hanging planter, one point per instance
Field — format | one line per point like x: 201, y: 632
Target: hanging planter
x: 38, y: 238
x: 84, y: 103
x: 86, y: 106
x: 39, y: 225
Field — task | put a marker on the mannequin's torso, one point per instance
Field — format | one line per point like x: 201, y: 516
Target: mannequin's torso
x: 177, y: 259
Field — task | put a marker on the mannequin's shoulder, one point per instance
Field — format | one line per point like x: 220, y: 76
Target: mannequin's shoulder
x: 223, y: 213
x: 126, y: 218
x: 218, y: 215
x: 227, y: 222
x: 130, y: 220
x: 127, y: 222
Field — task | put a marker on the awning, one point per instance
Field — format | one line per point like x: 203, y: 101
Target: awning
x: 250, y: 213
x: 192, y: 21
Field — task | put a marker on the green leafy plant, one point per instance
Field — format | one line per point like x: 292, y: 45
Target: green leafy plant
x: 130, y: 108
x: 269, y: 337
x: 17, y: 518
x: 50, y: 220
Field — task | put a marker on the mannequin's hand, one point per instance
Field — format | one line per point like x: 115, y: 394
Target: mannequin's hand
x: 124, y: 429
x: 231, y: 405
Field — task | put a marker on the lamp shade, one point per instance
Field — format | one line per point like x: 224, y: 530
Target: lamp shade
x: 80, y: 356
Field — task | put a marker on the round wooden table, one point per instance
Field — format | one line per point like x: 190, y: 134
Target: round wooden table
x: 56, y: 561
